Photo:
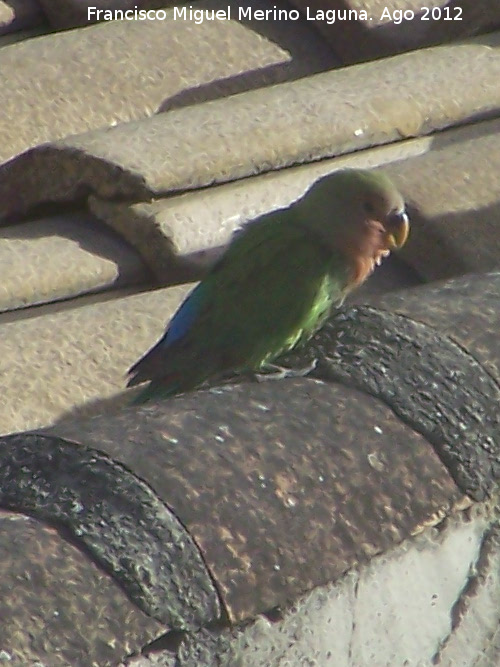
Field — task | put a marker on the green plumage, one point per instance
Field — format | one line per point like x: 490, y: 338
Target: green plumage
x: 273, y: 288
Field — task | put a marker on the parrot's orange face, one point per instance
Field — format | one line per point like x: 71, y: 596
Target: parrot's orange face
x: 391, y: 217
x: 381, y: 237
x: 380, y: 225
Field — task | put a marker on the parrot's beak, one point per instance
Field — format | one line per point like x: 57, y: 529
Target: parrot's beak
x: 398, y: 228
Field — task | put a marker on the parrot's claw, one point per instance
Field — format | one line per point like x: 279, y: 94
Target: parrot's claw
x: 281, y: 373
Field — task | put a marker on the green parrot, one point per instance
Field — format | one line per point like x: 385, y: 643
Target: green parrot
x: 277, y: 283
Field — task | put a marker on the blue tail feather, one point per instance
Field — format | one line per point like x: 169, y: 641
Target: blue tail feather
x: 184, y: 318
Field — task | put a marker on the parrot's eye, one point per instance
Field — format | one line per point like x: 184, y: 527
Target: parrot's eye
x: 369, y: 207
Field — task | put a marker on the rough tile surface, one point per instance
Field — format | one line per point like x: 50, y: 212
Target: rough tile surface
x: 57, y: 607
x: 52, y: 363
x: 376, y: 28
x: 70, y: 13
x: 473, y: 638
x: 431, y: 383
x: 394, y: 611
x: 465, y: 309
x: 18, y: 15
x: 191, y: 229
x: 284, y: 486
x: 256, y: 131
x: 163, y: 61
x: 449, y: 180
x: 268, y: 489
x: 117, y: 519
x: 6, y: 15
x: 62, y: 257
x: 455, y: 202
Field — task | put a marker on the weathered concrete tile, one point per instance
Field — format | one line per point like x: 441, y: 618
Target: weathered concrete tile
x: 489, y: 656
x: 284, y: 514
x: 325, y: 509
x: 454, y: 190
x: 191, y: 229
x: 57, y: 607
x: 118, y: 522
x: 51, y: 363
x: 464, y: 309
x: 425, y: 583
x: 404, y: 605
x: 365, y: 29
x: 393, y: 611
x: 18, y: 15
x: 71, y: 13
x: 433, y: 384
x: 7, y: 15
x: 475, y: 618
x: 21, y: 35
x: 164, y: 60
x: 62, y: 257
x: 306, y: 52
x: 261, y: 130
x: 449, y: 180
x: 279, y: 468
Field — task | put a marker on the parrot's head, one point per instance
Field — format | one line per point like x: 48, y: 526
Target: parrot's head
x: 362, y: 215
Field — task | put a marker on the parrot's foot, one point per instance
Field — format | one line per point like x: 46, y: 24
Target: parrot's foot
x: 281, y: 373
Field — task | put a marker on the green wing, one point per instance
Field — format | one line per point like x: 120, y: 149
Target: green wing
x: 272, y: 289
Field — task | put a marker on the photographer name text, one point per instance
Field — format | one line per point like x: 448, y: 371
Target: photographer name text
x: 328, y: 16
